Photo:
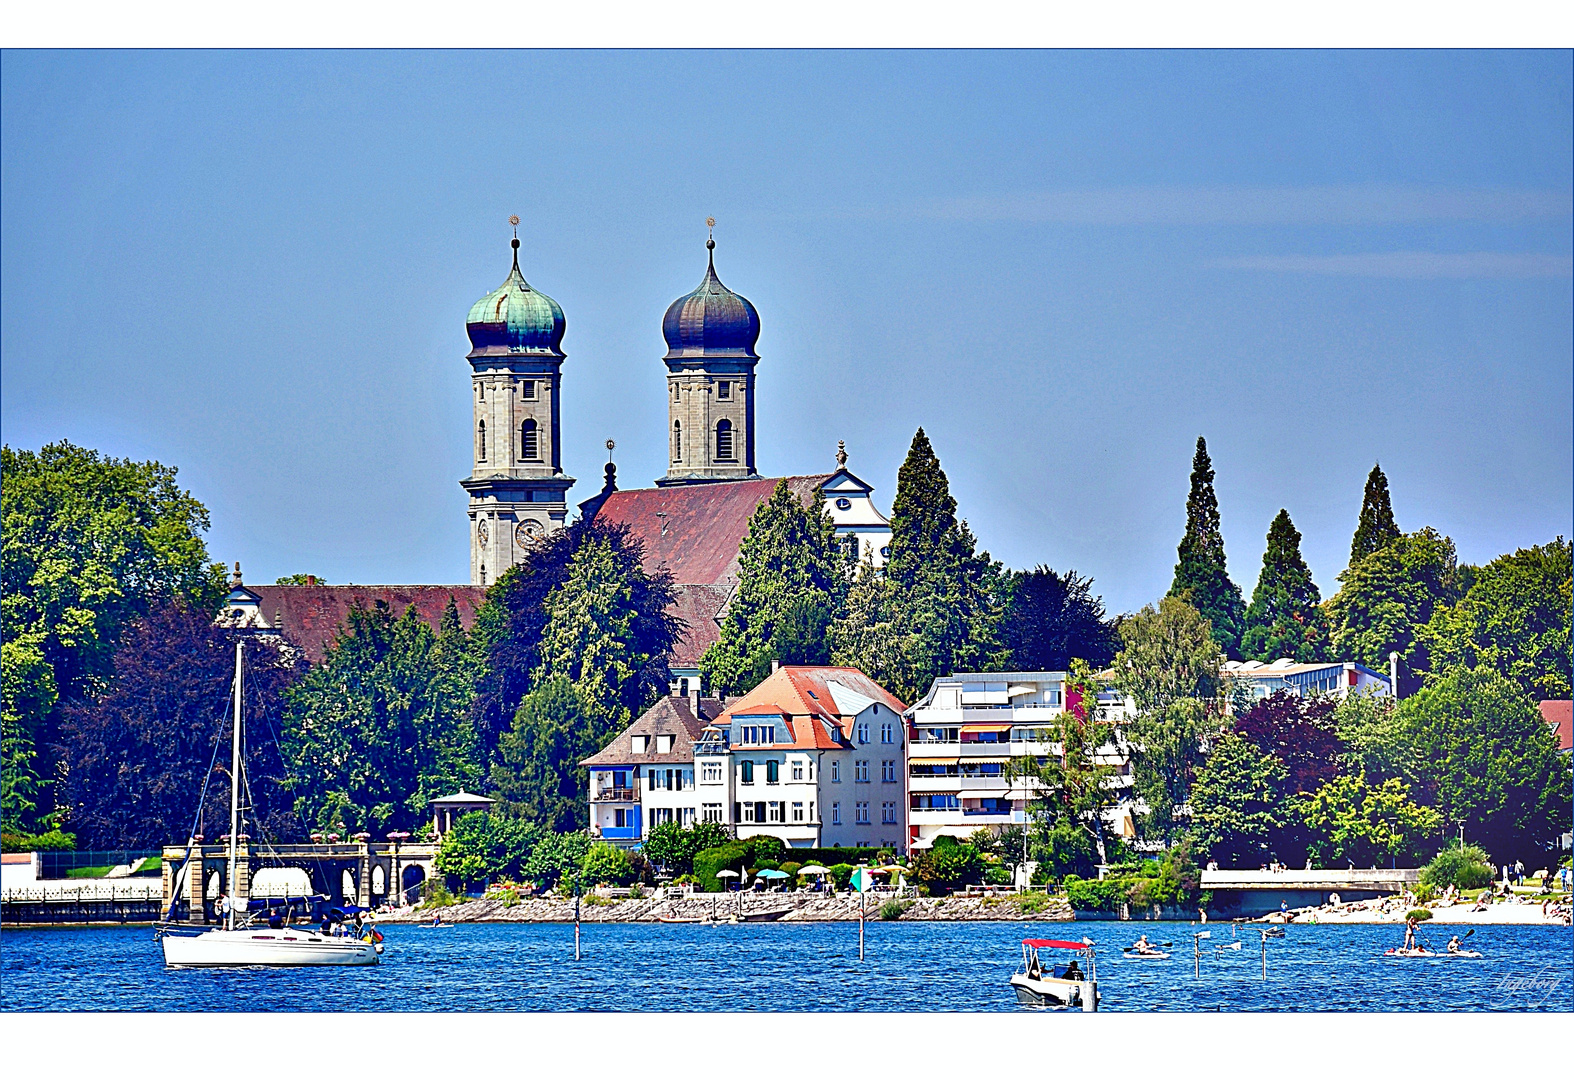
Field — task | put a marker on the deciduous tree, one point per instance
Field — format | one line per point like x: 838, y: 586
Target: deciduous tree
x: 1054, y: 619
x: 1348, y: 819
x: 1387, y: 598
x: 1237, y: 801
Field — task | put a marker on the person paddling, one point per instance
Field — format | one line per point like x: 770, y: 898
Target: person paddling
x: 1410, y: 934
x: 1142, y: 945
x: 1453, y: 944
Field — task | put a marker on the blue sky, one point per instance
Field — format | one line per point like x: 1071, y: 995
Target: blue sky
x: 1064, y: 266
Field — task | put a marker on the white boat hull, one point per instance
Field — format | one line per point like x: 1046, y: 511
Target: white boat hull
x: 1031, y: 991
x: 269, y: 948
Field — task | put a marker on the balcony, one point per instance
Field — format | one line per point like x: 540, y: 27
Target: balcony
x: 985, y: 749
x: 616, y: 794
x: 613, y: 833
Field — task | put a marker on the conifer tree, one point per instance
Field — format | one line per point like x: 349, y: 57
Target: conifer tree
x: 1286, y: 617
x: 1200, y: 576
x: 942, y: 601
x: 1376, y: 528
x: 792, y: 580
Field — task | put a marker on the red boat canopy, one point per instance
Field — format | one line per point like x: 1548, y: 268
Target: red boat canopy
x: 1044, y: 943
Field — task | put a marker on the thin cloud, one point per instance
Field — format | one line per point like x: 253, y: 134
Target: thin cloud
x: 1409, y: 264
x: 1331, y: 205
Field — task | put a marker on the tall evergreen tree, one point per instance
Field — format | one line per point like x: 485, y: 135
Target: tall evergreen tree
x: 944, y: 602
x: 1286, y: 616
x: 792, y: 581
x: 1376, y: 528
x: 604, y: 651
x: 1200, y: 576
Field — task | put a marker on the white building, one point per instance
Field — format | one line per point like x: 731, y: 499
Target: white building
x: 813, y: 756
x: 645, y: 776
x: 964, y: 735
x: 1334, y: 679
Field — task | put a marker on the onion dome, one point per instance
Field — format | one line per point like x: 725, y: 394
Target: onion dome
x: 711, y: 321
x: 516, y: 320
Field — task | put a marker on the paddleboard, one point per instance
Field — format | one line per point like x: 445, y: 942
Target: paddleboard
x: 1130, y: 955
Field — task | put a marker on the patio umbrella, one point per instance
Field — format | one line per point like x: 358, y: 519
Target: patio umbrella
x: 773, y: 874
x: 816, y: 870
x: 727, y: 873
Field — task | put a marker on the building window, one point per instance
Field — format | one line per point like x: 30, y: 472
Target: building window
x: 529, y: 390
x: 723, y: 391
x: 529, y: 444
x: 677, y: 440
x: 748, y: 813
x: 888, y: 772
x: 774, y: 812
x: 664, y: 744
x: 861, y: 813
x: 836, y: 771
x: 710, y: 773
x: 797, y: 811
x: 724, y: 441
x: 888, y: 813
x: 688, y: 817
x: 861, y: 771
x: 773, y: 771
x: 711, y: 811
x: 863, y: 731
x: 746, y: 772
x: 797, y: 770
x: 836, y: 813
x: 639, y: 743
x: 480, y: 441
x: 1054, y: 697
x: 887, y: 732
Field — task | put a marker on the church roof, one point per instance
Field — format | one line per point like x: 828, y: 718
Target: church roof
x: 711, y: 321
x: 516, y: 320
x: 310, y: 615
x: 694, y: 530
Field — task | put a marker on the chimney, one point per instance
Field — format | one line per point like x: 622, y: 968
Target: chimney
x: 694, y: 699
x: 776, y: 665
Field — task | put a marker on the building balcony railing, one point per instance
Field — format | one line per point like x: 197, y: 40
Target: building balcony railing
x: 613, y: 833
x: 616, y: 794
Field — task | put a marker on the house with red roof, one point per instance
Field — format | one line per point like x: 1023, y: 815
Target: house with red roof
x: 1559, y: 715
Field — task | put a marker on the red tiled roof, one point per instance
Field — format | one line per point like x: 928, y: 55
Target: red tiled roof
x: 1560, y: 714
x: 694, y: 530
x: 310, y: 615
x: 698, y: 606
x: 804, y: 694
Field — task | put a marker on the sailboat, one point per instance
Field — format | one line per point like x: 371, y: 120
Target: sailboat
x: 247, y: 946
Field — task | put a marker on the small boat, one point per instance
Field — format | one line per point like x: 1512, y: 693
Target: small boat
x: 1427, y: 954
x: 1062, y: 985
x: 764, y: 916
x: 253, y: 945
x: 1144, y: 954
x: 1274, y: 931
x: 436, y: 925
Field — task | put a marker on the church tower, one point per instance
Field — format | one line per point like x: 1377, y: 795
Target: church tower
x: 518, y: 490
x: 710, y: 383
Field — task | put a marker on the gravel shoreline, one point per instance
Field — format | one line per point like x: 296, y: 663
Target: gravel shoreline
x: 839, y: 907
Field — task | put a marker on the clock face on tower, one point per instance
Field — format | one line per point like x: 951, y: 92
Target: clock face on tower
x: 482, y: 533
x: 527, y: 533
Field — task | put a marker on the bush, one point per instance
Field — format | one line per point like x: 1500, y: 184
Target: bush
x: 948, y: 865
x: 767, y: 849
x: 892, y: 910
x: 1031, y: 903
x: 790, y: 869
x: 842, y: 874
x: 1419, y: 914
x: 607, y: 865
x: 1088, y: 895
x: 1463, y: 868
x: 997, y: 875
x: 729, y: 856
x: 435, y: 894
x: 53, y: 840
x: 673, y: 847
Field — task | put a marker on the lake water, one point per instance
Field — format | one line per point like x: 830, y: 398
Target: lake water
x: 806, y: 966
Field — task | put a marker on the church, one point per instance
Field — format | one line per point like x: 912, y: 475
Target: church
x: 691, y: 521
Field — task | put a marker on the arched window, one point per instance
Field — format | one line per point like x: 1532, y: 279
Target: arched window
x: 677, y: 440
x: 480, y: 441
x: 529, y: 449
x: 724, y: 441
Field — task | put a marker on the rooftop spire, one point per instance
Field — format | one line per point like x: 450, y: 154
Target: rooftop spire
x: 513, y: 219
x: 710, y: 242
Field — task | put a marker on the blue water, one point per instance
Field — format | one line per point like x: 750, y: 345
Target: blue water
x: 785, y: 967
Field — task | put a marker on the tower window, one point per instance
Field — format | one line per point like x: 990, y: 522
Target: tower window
x: 529, y: 390
x: 677, y: 440
x: 723, y: 391
x: 529, y: 449
x: 480, y: 441
x: 724, y: 441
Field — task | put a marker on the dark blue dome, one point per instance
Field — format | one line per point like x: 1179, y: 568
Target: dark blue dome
x: 516, y: 320
x: 711, y: 321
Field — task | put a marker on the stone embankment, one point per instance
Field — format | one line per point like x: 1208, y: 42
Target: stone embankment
x: 793, y: 907
x: 1506, y: 911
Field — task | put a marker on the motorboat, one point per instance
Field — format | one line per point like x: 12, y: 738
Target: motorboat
x: 332, y: 945
x: 1039, y: 983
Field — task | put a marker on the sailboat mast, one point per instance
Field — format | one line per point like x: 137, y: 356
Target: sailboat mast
x: 234, y: 791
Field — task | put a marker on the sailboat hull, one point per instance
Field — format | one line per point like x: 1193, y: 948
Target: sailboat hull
x: 266, y: 948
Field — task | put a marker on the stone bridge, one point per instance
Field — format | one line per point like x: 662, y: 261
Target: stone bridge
x: 1256, y: 892
x: 365, y: 874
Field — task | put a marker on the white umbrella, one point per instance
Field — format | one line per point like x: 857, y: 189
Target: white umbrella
x: 727, y: 873
x: 816, y: 870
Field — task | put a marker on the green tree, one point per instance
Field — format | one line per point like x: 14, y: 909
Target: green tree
x: 557, y: 858
x: 381, y: 726
x: 1476, y: 748
x: 603, y: 662
x: 1237, y: 801
x: 673, y: 846
x: 300, y: 579
x: 1515, y: 621
x: 1463, y: 866
x: 1054, y: 619
x: 1349, y: 820
x: 484, y: 847
x: 941, y: 608
x: 793, y: 577
x: 605, y: 864
x: 947, y: 865
x: 1376, y: 528
x: 1386, y: 599
x: 87, y: 545
x: 1169, y: 666
x: 1285, y: 618
x: 1200, y: 576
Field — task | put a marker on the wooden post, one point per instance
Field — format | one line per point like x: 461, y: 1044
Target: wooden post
x: 576, y: 918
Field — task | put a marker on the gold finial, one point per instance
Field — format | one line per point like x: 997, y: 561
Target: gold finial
x: 710, y: 223
x: 710, y: 240
x: 513, y: 219
x: 611, y: 446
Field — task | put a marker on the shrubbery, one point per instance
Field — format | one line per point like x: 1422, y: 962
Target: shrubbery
x: 53, y: 840
x: 1462, y: 867
x: 949, y: 864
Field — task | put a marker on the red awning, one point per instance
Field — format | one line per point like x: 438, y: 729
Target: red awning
x: 1044, y: 943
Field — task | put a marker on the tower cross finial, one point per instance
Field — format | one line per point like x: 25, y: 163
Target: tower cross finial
x: 513, y: 219
x: 710, y: 238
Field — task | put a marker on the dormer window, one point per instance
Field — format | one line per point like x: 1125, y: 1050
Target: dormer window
x: 640, y: 744
x: 664, y: 744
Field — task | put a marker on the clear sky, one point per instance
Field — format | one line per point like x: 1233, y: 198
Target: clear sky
x: 1064, y: 266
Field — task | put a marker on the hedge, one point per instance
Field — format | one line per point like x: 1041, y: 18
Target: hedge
x: 731, y: 856
x: 830, y: 856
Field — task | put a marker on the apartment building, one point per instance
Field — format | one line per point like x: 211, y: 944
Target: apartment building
x: 814, y: 756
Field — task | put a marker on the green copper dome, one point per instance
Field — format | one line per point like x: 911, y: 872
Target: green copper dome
x: 516, y: 320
